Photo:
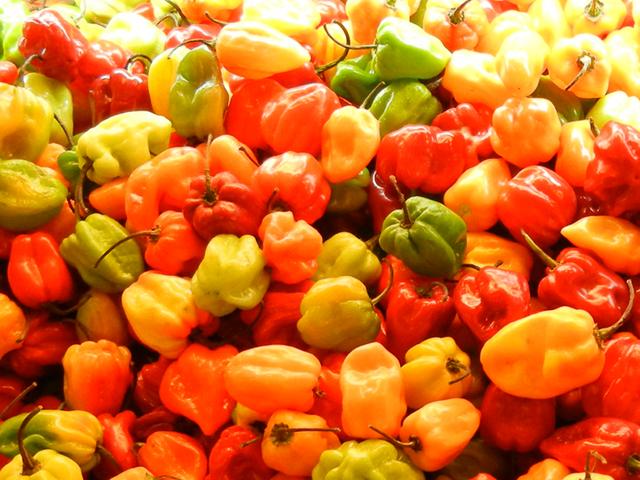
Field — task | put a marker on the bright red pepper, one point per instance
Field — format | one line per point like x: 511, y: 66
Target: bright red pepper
x: 382, y: 200
x: 232, y: 459
x: 474, y: 121
x: 118, y: 440
x: 8, y: 72
x: 538, y: 201
x: 222, y: 204
x: 300, y: 76
x: 416, y: 310
x: 618, y: 441
x: 331, y: 10
x: 490, y: 298
x: 36, y: 272
x: 293, y: 181
x: 328, y: 403
x: 174, y: 454
x: 513, y: 423
x: 293, y: 119
x: 146, y: 394
x: 179, y: 35
x: 102, y: 58
x: 58, y: 44
x: 424, y: 157
x: 193, y: 386
x: 119, y: 91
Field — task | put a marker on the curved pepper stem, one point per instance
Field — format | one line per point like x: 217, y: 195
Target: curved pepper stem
x: 23, y: 68
x: 215, y: 20
x: 428, y: 292
x: 345, y: 45
x: 372, y: 94
x: 587, y: 62
x: 17, y: 398
x: 414, y: 442
x: 209, y: 43
x: 381, y: 295
x: 327, y: 66
x: 593, y: 457
x: 61, y: 312
x: 632, y: 464
x: 593, y: 10
x: 456, y: 15
x: 104, y: 453
x: 455, y: 366
x: 64, y: 130
x: 595, y: 131
x: 80, y: 207
x: 153, y: 235
x: 29, y: 465
x: 282, y: 434
x: 406, y: 222
x: 603, y: 334
x: 176, y: 8
x: 542, y: 255
x: 144, y: 59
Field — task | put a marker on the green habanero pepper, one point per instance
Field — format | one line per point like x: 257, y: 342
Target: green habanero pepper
x: 337, y: 314
x: 368, y: 460
x: 92, y: 238
x: 355, y: 79
x: 568, y: 106
x: 13, y: 13
x: 73, y: 433
x: 135, y: 33
x: 69, y: 166
x: 198, y: 99
x: 616, y: 106
x: 119, y: 144
x: 350, y: 195
x: 58, y: 96
x: 418, y: 16
x: 48, y: 465
x: 29, y: 195
x: 404, y: 102
x: 345, y: 254
x: 428, y: 237
x: 231, y: 275
x: 25, y: 123
x: 405, y: 50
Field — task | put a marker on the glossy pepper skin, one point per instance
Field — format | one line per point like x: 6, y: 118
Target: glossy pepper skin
x: 404, y: 102
x: 473, y: 120
x: 567, y: 105
x: 424, y: 157
x: 36, y: 272
x: 616, y: 440
x: 92, y: 237
x: 377, y: 456
x: 118, y: 92
x: 428, y: 237
x: 231, y: 459
x: 50, y: 465
x: 13, y: 323
x: 355, y: 78
x: 490, y: 298
x: 117, y: 438
x: 346, y: 254
x: 175, y: 454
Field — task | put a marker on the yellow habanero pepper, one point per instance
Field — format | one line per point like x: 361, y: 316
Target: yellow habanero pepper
x: 575, y: 152
x: 254, y: 50
x: 520, y: 62
x: 458, y: 24
x: 501, y: 27
x: 598, y: 17
x: 624, y: 55
x: 366, y: 15
x: 548, y: 19
x: 295, y: 18
x: 162, y: 75
x: 486, y: 249
x: 545, y: 354
x: 435, y: 369
x: 614, y: 240
x: 472, y: 77
x: 474, y: 195
x: 581, y: 65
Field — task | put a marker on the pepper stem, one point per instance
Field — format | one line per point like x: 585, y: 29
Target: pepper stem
x: 381, y: 295
x: 587, y: 62
x: 210, y: 196
x: 372, y: 94
x: 391, y: 4
x: 542, y: 255
x: 632, y: 464
x: 215, y: 20
x: 153, y: 234
x: 456, y: 14
x: 345, y: 45
x: 414, y: 442
x: 282, y: 434
x: 144, y: 59
x: 593, y: 10
x: 80, y: 208
x: 470, y: 265
x: 249, y: 442
x: 372, y: 242
x: 29, y: 465
x: 330, y: 65
x: 56, y: 310
x: 208, y: 43
x: 17, y: 398
x: 23, y: 68
x: 603, y: 334
x: 595, y: 131
x: 455, y: 366
x: 428, y: 293
x: 64, y: 129
x: 406, y: 222
x: 593, y: 457
x: 179, y: 11
x: 248, y: 154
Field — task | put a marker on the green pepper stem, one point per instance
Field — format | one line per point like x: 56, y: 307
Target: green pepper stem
x: 406, y: 222
x: 23, y: 68
x: 56, y: 310
x: 587, y: 62
x: 209, y: 43
x: 372, y: 94
x: 29, y: 465
x: 17, y: 398
x: 168, y: 16
x: 593, y: 10
x: 345, y: 45
x: 428, y: 293
x: 632, y: 465
x: 80, y: 208
x: 593, y: 457
x: 387, y: 287
x: 281, y: 433
x: 64, y: 129
x: 541, y: 254
x: 215, y: 20
x: 372, y: 242
x: 414, y: 442
x: 179, y: 11
x: 456, y: 14
x: 603, y: 334
x: 330, y: 65
x: 595, y: 131
x: 455, y: 366
x: 470, y: 265
x: 154, y: 233
x: 144, y: 59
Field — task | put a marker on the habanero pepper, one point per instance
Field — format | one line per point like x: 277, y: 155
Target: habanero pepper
x: 235, y: 456
x: 173, y: 454
x: 547, y: 469
x: 457, y: 24
x: 576, y: 151
x: 13, y: 323
x: 226, y: 154
x: 473, y: 120
x: 328, y: 401
x: 118, y: 440
x: 146, y: 393
x: 100, y: 316
x: 382, y: 199
x: 345, y: 254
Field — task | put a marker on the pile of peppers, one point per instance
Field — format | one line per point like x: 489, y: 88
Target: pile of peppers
x: 319, y: 239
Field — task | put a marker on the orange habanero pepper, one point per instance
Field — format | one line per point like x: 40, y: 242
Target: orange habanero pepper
x: 575, y: 152
x: 457, y: 24
x: 547, y: 469
x: 366, y: 15
x: 13, y: 325
x: 109, y: 198
x: 486, y: 249
x: 175, y: 455
x: 226, y: 154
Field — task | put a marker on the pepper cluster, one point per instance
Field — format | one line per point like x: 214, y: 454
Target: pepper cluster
x: 319, y: 239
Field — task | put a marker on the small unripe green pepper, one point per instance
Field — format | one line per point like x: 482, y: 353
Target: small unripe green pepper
x: 345, y: 254
x: 350, y: 195
x: 50, y: 465
x: 355, y: 78
x: 135, y: 33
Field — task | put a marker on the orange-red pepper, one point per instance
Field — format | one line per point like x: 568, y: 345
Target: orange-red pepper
x: 173, y: 454
x: 13, y: 325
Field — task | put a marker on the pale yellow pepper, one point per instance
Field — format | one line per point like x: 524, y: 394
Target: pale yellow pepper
x: 366, y: 15
x: 520, y: 62
x: 294, y: 18
x: 548, y: 19
x: 623, y: 47
x: 598, y: 17
x: 501, y: 27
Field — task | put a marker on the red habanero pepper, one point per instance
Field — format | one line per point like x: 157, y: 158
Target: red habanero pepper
x: 117, y: 439
x: 8, y: 72
x: 488, y: 299
x: 36, y: 272
x: 292, y: 121
x: 58, y: 44
x: 382, y: 200
x: 331, y: 10
x: 513, y: 423
x: 300, y: 76
x: 538, y: 201
x: 616, y: 440
x: 613, y: 176
x: 474, y: 121
x: 616, y: 392
x: 293, y: 181
x: 119, y: 91
x: 146, y: 394
x: 417, y: 309
x: 244, y: 112
x: 11, y: 387
x: 173, y: 454
x: 102, y: 58
x: 179, y: 35
x: 193, y: 386
x: 222, y: 204
x: 401, y: 273
x: 328, y: 402
x: 236, y: 455
x: 44, y: 345
x: 157, y: 420
x: 424, y: 157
